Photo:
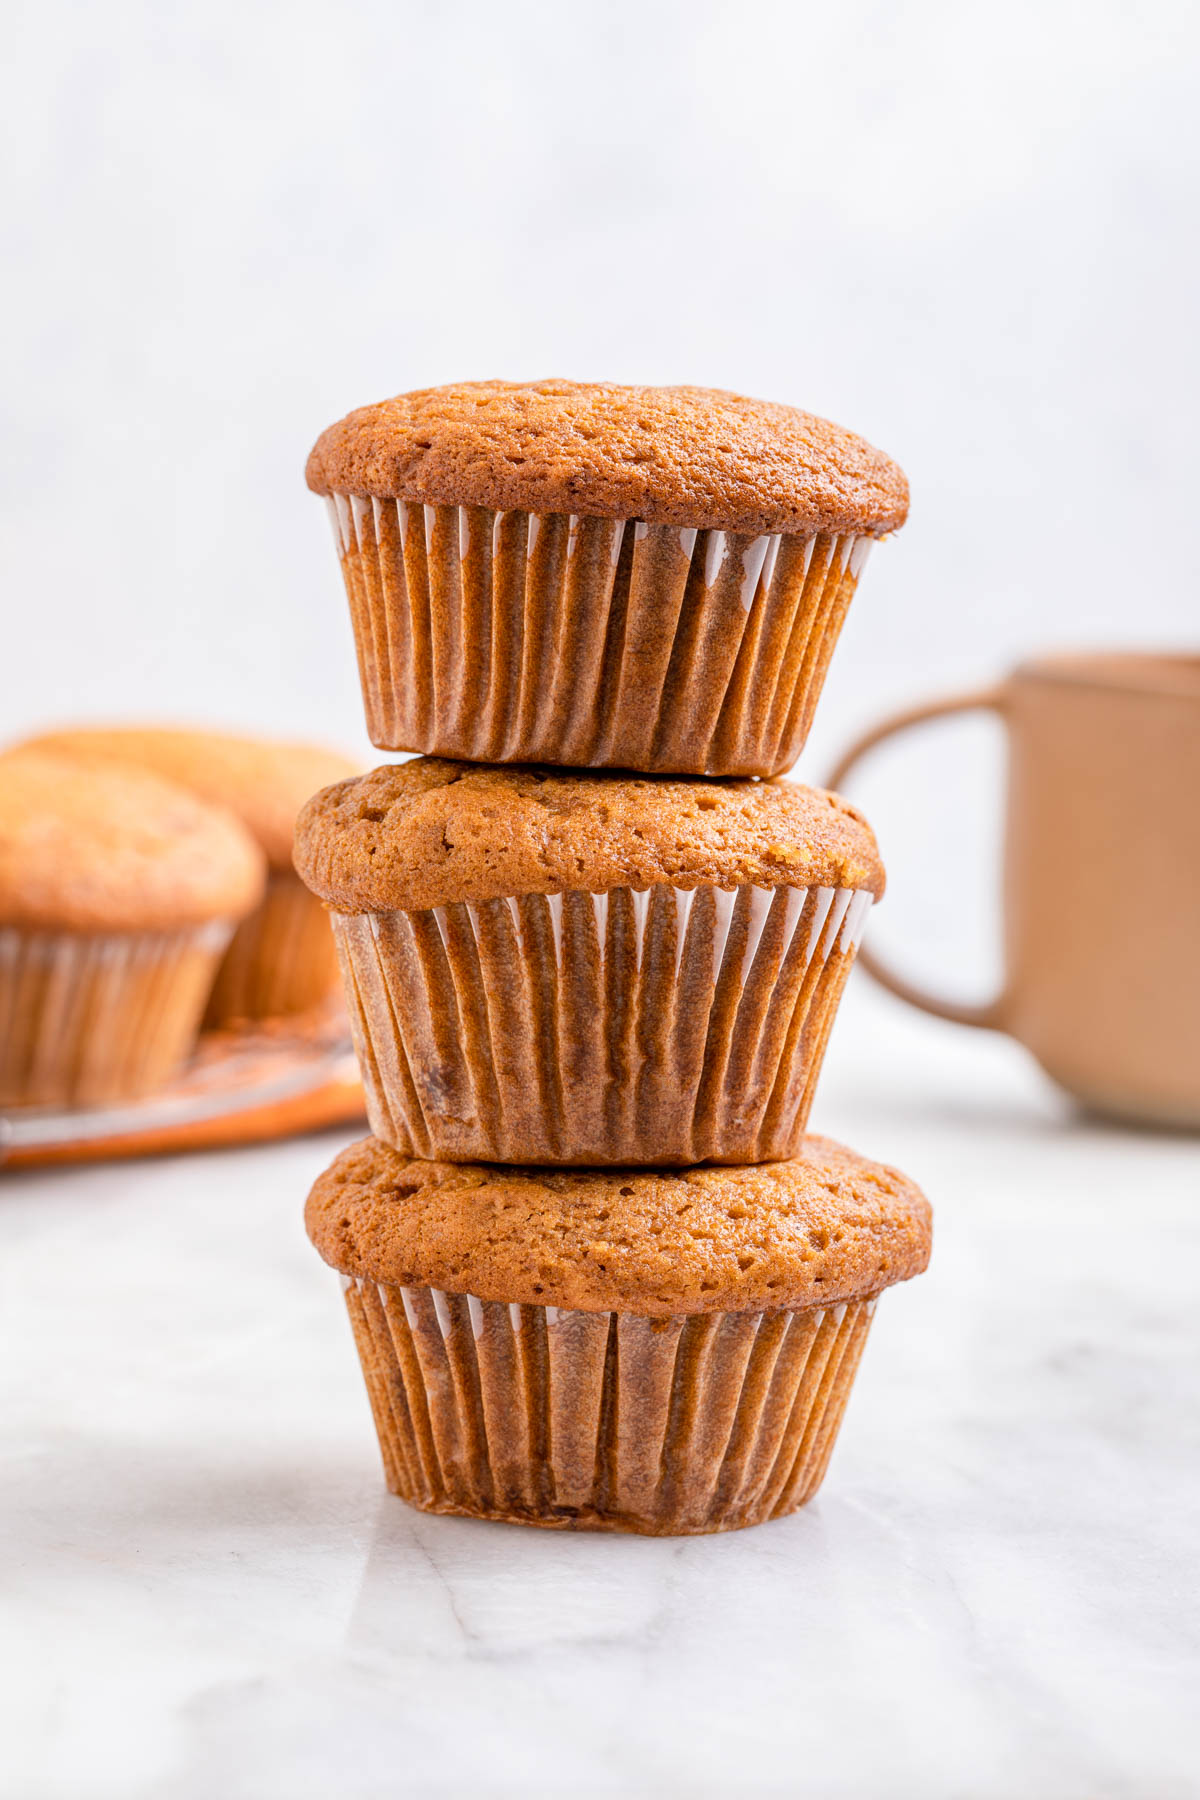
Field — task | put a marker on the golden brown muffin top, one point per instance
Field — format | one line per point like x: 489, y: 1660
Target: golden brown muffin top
x: 825, y: 1227
x: 430, y: 832
x: 686, y: 456
x: 261, y: 780
x: 110, y: 847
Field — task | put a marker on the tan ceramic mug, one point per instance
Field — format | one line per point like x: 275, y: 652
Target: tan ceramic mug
x: 1102, y: 877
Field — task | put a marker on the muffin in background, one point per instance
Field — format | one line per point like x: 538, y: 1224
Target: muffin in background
x: 119, y: 893
x: 620, y: 1351
x: 549, y: 966
x: 281, y: 959
x: 599, y: 576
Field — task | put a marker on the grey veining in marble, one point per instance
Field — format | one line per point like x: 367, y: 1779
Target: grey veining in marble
x: 207, y: 1592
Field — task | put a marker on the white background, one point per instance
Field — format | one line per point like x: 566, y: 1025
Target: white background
x: 967, y: 232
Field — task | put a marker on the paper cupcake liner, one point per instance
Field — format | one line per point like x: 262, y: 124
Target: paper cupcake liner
x: 665, y: 1026
x: 87, y: 1019
x: 603, y: 1421
x: 607, y: 643
x: 280, y: 961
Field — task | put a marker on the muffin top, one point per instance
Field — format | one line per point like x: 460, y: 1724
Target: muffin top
x: 430, y: 832
x: 264, y: 782
x: 825, y: 1227
x: 686, y: 456
x: 109, y: 847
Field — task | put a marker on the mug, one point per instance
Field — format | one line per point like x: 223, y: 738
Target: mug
x: 1102, y: 877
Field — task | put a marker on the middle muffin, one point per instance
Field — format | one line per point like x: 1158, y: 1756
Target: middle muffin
x: 550, y: 967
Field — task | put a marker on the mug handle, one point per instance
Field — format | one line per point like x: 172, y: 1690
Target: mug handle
x: 989, y: 1015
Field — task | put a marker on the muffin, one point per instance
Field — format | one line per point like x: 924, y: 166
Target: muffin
x: 599, y: 576
x: 659, y: 1353
x: 119, y: 892
x: 556, y: 967
x: 281, y: 959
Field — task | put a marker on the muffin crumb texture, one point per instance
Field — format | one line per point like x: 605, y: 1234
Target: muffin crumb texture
x: 431, y: 832
x: 826, y: 1227
x: 687, y: 456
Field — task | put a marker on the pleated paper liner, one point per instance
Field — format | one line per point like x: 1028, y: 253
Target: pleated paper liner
x: 666, y: 1026
x: 603, y: 643
x: 281, y: 960
x: 88, y: 1019
x: 603, y: 1421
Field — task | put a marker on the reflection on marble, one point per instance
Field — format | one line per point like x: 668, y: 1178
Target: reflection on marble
x: 208, y: 1593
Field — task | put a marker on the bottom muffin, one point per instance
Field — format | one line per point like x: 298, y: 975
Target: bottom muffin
x: 607, y: 1350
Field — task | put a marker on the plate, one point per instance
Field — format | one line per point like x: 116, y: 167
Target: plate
x: 242, y: 1086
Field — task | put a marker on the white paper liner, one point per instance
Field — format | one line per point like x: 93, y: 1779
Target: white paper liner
x: 603, y: 1421
x: 604, y: 643
x: 661, y: 1026
x: 87, y: 1019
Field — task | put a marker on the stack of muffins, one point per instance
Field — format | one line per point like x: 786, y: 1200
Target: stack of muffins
x: 570, y: 989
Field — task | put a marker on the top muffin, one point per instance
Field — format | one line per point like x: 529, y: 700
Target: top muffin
x: 685, y: 456
x: 264, y: 782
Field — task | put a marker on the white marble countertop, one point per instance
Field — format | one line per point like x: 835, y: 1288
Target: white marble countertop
x: 209, y: 1596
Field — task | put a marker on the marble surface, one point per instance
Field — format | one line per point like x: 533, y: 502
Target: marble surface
x: 208, y: 1593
